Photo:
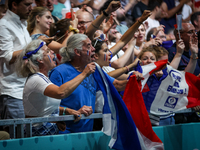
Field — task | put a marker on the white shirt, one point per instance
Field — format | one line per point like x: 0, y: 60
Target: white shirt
x: 151, y: 24
x: 108, y: 69
x: 13, y: 37
x: 186, y: 10
x: 34, y: 101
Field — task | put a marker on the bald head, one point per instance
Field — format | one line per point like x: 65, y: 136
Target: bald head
x: 187, y: 32
x: 84, y: 20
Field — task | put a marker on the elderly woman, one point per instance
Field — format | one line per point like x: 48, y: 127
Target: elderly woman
x: 41, y: 97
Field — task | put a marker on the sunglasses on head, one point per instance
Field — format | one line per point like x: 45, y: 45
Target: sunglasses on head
x: 101, y: 38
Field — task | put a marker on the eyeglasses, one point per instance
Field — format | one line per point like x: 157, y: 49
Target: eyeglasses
x: 101, y: 38
x: 82, y: 23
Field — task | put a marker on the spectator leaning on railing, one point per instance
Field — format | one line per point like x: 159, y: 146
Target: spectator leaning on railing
x: 41, y: 97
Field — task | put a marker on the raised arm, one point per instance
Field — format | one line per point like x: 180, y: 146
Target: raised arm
x: 67, y: 88
x: 56, y: 46
x: 180, y: 46
x: 126, y: 58
x: 194, y: 55
x: 174, y: 10
x: 129, y: 33
x: 118, y: 72
x: 114, y: 5
x: 130, y: 5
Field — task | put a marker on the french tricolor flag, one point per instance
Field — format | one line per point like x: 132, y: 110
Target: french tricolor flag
x: 148, y: 70
x: 127, y: 132
x: 177, y: 90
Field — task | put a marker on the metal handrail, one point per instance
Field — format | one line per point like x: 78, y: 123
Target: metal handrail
x: 20, y: 122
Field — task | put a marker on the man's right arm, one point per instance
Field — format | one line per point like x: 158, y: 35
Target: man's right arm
x: 6, y: 46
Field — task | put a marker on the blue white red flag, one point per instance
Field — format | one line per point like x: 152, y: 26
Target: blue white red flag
x: 117, y: 121
x: 177, y: 90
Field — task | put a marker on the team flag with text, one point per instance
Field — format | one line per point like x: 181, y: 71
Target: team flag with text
x: 178, y: 90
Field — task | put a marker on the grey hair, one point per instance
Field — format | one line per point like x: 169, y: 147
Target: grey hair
x: 74, y: 42
x: 30, y: 65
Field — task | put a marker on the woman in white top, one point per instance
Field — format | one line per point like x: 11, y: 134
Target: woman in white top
x: 40, y: 96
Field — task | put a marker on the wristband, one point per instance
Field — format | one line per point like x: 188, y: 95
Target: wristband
x: 195, y: 57
x: 64, y: 110
x: 105, y: 14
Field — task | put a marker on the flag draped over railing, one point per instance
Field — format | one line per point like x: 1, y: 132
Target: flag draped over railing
x: 126, y: 133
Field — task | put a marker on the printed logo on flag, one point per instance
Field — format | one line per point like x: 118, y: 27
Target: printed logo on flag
x: 171, y: 102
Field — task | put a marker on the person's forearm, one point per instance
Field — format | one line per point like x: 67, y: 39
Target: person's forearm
x: 120, y: 85
x: 126, y: 37
x: 174, y: 10
x: 192, y: 63
x: 130, y: 5
x: 95, y: 25
x: 118, y: 72
x: 14, y: 56
x: 176, y: 60
x: 122, y: 61
x: 67, y: 88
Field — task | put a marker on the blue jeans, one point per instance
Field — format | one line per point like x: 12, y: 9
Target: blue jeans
x: 12, y: 107
x: 167, y: 121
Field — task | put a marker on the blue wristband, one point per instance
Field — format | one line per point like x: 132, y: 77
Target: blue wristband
x: 64, y: 110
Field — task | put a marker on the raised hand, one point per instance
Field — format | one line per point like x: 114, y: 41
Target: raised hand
x: 114, y: 5
x: 107, y: 25
x: 145, y: 15
x: 161, y: 27
x: 180, y: 46
x: 74, y: 22
x: 89, y: 69
x: 193, y: 44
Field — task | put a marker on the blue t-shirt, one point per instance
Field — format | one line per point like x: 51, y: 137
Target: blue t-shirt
x: 36, y: 36
x: 84, y: 94
x: 57, y: 10
x: 185, y: 58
